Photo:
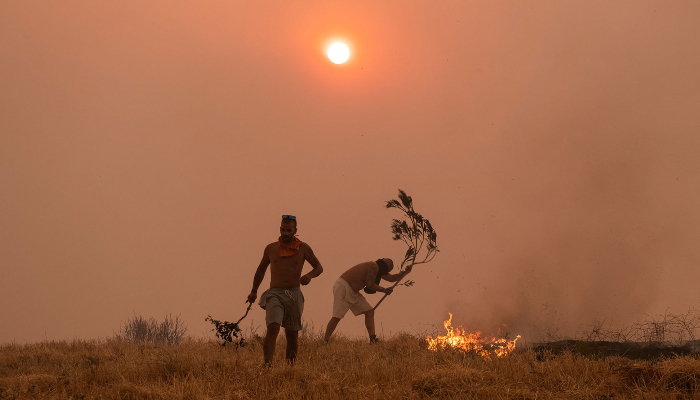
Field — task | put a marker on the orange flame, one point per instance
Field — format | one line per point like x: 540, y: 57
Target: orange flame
x: 457, y: 338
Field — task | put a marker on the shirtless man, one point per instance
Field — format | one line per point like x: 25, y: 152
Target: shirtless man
x: 347, y: 296
x: 283, y: 302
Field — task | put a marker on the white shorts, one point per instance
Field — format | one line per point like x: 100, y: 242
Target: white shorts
x: 344, y: 299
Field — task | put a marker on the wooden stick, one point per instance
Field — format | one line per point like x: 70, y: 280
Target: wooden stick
x: 246, y: 313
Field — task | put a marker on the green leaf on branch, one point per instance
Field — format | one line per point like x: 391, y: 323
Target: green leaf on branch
x: 393, y: 204
x: 405, y: 199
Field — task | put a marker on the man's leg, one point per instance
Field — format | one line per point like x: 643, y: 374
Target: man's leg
x: 330, y: 328
x: 292, y: 345
x: 270, y: 340
x: 369, y: 323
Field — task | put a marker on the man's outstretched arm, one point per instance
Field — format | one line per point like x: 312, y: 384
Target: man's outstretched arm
x: 397, y: 277
x: 310, y: 257
x: 259, y: 276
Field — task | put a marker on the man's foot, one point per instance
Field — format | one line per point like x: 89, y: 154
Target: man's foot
x: 373, y: 339
x: 267, y: 365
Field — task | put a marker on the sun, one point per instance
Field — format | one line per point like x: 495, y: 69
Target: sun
x: 338, y: 53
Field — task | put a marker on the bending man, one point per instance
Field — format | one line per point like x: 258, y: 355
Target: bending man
x: 347, y: 296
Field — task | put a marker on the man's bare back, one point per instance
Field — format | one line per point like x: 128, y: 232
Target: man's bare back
x: 360, y: 275
x: 363, y: 275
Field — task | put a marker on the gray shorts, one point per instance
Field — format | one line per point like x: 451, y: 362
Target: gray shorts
x: 283, y: 306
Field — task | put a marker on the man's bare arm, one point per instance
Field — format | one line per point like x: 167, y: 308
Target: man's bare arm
x: 371, y: 275
x: 397, y: 277
x: 372, y: 272
x: 392, y: 277
x: 259, y: 276
x: 377, y: 288
x: 317, y: 270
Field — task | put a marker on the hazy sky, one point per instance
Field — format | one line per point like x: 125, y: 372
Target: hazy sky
x: 148, y: 150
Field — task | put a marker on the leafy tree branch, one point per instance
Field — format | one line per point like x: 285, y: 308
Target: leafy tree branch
x: 416, y: 232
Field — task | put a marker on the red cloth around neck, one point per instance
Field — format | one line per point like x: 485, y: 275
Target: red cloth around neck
x: 289, y: 249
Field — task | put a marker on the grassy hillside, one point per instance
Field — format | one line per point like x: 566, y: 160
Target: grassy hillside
x: 397, y: 368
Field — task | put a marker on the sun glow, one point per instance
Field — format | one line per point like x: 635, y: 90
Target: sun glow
x: 338, y: 53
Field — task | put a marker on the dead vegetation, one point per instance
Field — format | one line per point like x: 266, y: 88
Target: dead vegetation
x: 229, y: 332
x: 398, y: 368
x: 665, y: 330
x: 660, y: 336
x: 138, y: 329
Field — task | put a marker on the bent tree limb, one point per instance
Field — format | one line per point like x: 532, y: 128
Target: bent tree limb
x: 250, y: 304
x: 229, y: 331
x: 416, y: 232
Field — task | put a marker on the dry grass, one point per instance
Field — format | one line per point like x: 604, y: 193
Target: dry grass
x: 398, y: 368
